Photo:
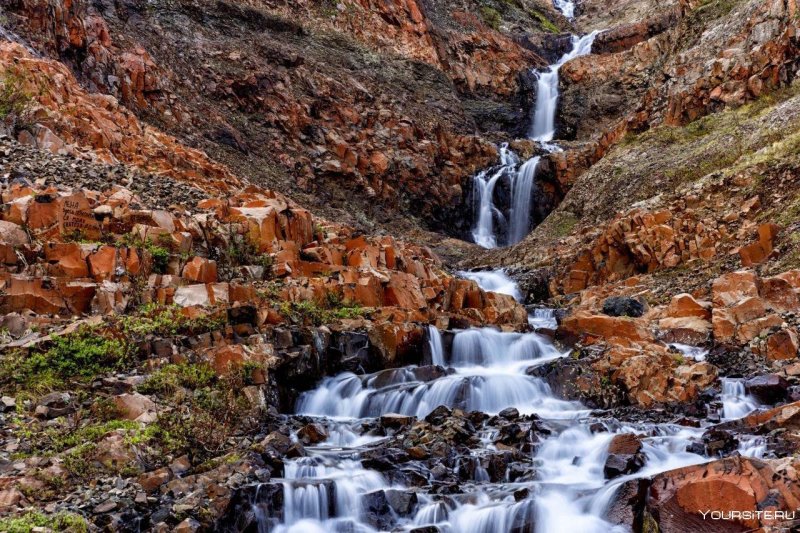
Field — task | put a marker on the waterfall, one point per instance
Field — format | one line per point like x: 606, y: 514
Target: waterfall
x: 543, y: 126
x: 563, y: 488
x: 435, y: 344
x: 521, y: 188
x: 736, y: 403
x: 494, y: 281
x: 566, y: 7
x: 484, y: 184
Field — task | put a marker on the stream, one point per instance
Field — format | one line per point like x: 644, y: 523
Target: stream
x: 558, y: 481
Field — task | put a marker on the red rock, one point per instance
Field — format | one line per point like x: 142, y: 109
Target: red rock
x: 75, y: 217
x: 730, y: 288
x: 200, y: 270
x: 779, y: 294
x: 69, y: 260
x: 103, y: 263
x: 584, y: 324
x: 685, y: 330
x: 684, y: 305
x: 782, y: 345
x: 737, y: 483
x: 150, y: 481
x: 135, y: 407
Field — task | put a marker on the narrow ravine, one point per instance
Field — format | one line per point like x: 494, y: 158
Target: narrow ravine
x: 492, y: 227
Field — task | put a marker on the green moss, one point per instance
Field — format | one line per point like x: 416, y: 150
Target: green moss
x: 167, y: 321
x: 491, y: 17
x: 81, y: 355
x: 546, y: 24
x: 66, y: 522
x: 13, y: 98
x: 168, y: 379
x: 309, y: 312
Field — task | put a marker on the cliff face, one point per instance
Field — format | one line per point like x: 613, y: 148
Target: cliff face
x: 354, y: 107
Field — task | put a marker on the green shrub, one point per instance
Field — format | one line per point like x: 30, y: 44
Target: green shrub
x: 491, y: 17
x: 168, y: 379
x: 62, y: 522
x: 81, y: 355
x: 13, y: 98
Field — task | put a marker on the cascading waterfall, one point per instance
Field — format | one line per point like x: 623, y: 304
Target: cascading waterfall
x: 489, y: 220
x: 494, y: 281
x: 521, y: 189
x: 435, y: 345
x: 567, y: 490
x: 484, y: 185
x: 566, y: 7
x: 736, y: 403
x: 543, y: 125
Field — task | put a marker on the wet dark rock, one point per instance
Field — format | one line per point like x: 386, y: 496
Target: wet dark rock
x: 719, y: 442
x: 394, y: 420
x: 768, y: 389
x: 624, y: 456
x: 376, y: 510
x: 383, y: 459
x: 350, y: 349
x: 247, y: 503
x: 438, y: 415
x: 510, y: 413
x: 312, y: 434
x: 623, y: 306
x: 403, y: 503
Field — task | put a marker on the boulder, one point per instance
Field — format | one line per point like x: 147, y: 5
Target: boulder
x: 200, y: 270
x: 622, y: 306
x: 684, y: 305
x: 782, y: 345
x: 624, y: 456
x: 769, y: 389
x: 135, y: 407
x: 678, y: 498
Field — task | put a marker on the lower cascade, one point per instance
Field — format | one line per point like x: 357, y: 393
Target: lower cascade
x: 565, y: 479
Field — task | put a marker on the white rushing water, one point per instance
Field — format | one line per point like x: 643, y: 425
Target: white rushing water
x: 543, y: 125
x: 566, y: 491
x: 435, y: 346
x: 484, y: 184
x: 490, y: 221
x: 521, y: 191
x: 736, y: 403
x: 566, y: 7
x: 494, y: 281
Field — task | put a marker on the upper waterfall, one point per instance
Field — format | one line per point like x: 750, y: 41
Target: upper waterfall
x: 543, y: 124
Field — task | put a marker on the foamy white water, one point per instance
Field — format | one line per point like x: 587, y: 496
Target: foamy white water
x: 543, y: 126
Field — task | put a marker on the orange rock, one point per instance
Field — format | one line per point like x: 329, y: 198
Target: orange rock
x: 730, y: 288
x: 689, y: 330
x: 103, y: 263
x: 782, y: 345
x: 69, y: 259
x: 75, y: 217
x: 43, y: 212
x: 723, y: 325
x: 403, y: 291
x: 748, y: 309
x: 585, y: 324
x: 779, y: 294
x: 684, y: 305
x: 677, y: 497
x: 200, y: 270
x: 135, y: 407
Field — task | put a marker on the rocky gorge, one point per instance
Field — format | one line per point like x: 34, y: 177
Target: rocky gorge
x: 411, y: 265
